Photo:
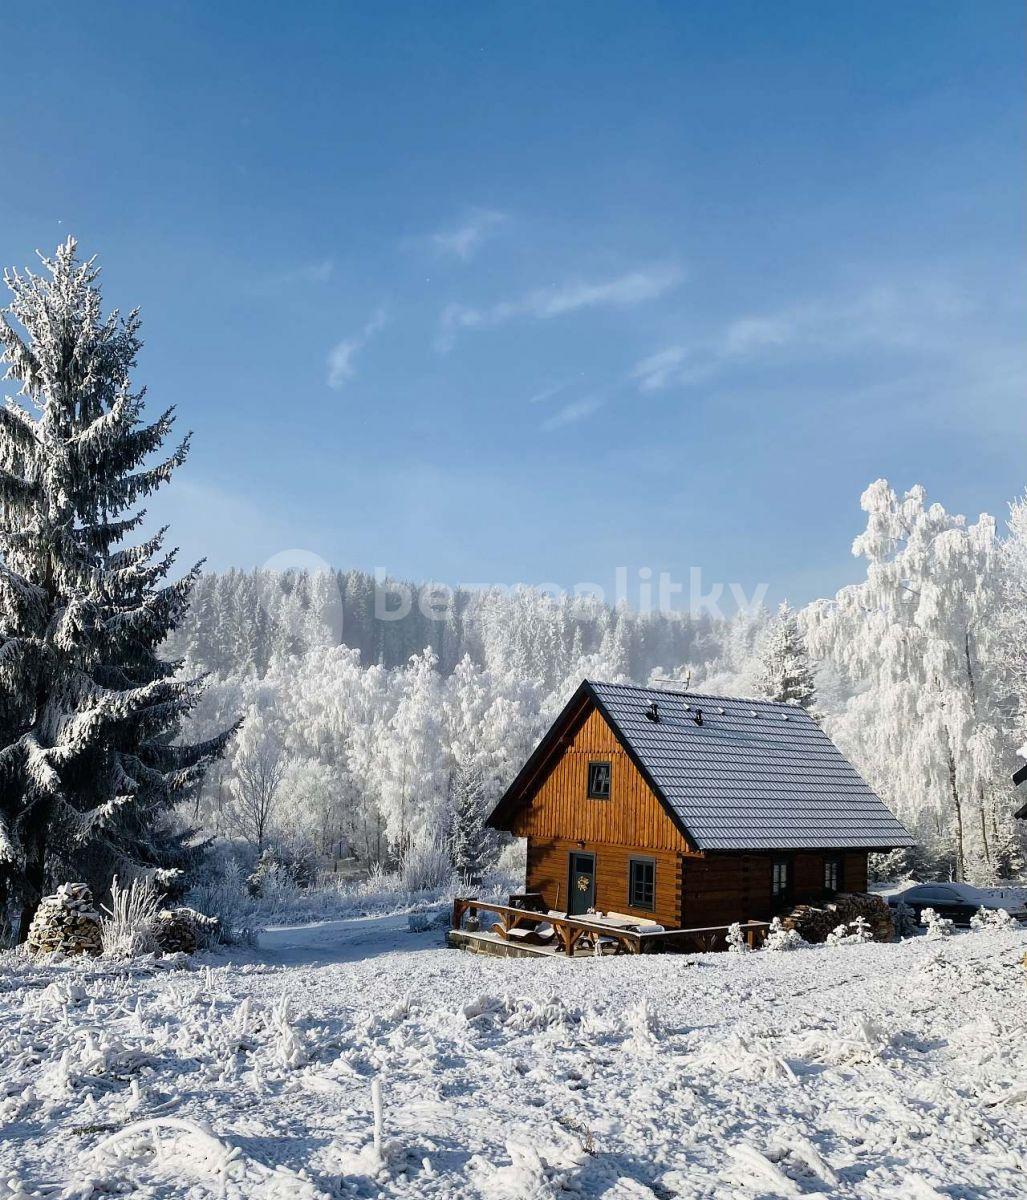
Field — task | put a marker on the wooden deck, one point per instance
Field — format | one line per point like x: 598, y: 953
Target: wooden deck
x: 491, y: 927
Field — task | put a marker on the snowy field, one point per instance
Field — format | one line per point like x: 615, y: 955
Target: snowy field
x: 887, y: 1072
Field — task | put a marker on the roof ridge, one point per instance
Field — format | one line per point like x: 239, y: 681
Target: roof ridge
x: 656, y: 691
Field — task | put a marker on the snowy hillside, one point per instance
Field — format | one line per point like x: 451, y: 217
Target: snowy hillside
x: 877, y: 1071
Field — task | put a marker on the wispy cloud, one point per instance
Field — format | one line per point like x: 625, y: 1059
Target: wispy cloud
x: 341, y: 366
x: 301, y: 274
x: 659, y: 369
x: 913, y: 318
x: 570, y: 414
x: 463, y: 241
x: 547, y: 393
x: 542, y: 304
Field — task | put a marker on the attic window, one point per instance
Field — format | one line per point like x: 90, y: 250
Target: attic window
x: 599, y: 781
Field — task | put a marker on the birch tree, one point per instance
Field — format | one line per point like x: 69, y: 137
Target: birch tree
x: 913, y: 639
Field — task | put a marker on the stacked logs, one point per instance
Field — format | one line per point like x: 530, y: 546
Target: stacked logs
x: 814, y: 924
x: 66, y: 921
x: 181, y: 930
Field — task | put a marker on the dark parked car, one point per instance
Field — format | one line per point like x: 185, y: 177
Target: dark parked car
x: 957, y: 901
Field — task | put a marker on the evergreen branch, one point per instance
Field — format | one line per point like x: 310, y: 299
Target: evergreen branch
x: 103, y: 817
x: 16, y: 491
x: 10, y: 853
x: 99, y: 536
x: 174, y: 756
x: 21, y: 602
x: 132, y: 555
x: 21, y: 362
x: 18, y: 426
x: 122, y: 493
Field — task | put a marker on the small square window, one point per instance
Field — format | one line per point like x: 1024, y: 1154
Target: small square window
x: 642, y: 883
x: 599, y: 781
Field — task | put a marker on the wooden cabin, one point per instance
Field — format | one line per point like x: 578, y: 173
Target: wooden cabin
x: 1019, y: 776
x: 691, y: 810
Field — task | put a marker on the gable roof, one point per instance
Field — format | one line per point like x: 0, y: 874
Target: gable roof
x: 753, y: 776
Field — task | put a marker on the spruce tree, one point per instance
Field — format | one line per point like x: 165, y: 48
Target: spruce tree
x: 91, y: 770
x: 783, y: 672
x: 472, y: 844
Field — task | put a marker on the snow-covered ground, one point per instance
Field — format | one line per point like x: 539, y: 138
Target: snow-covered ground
x: 888, y: 1072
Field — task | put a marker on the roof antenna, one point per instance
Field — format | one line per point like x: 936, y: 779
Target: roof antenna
x: 681, y: 683
x: 652, y: 713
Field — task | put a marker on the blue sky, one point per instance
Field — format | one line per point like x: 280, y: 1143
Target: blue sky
x: 490, y: 292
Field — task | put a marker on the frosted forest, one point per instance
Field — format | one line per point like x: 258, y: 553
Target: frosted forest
x: 211, y: 725
x: 392, y: 739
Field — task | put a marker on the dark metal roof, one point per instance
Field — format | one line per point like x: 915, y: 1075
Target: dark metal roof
x: 753, y: 776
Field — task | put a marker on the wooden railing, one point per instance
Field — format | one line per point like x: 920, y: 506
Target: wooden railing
x: 578, y: 934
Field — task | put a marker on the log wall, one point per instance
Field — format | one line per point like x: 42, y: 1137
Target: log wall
x: 548, y: 869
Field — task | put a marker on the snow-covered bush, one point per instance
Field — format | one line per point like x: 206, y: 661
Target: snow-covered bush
x: 128, y: 929
x: 780, y: 938
x: 278, y: 889
x: 222, y: 895
x: 937, y: 926
x: 892, y: 867
x: 855, y: 932
x: 642, y: 1022
x: 281, y: 871
x: 735, y: 939
x: 992, y: 919
x: 426, y: 865
x: 904, y: 919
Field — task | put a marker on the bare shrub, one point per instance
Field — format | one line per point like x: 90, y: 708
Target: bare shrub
x: 425, y: 866
x: 128, y: 929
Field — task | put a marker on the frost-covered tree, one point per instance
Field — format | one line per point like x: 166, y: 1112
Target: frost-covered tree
x: 472, y: 844
x: 1010, y: 643
x: 782, y: 671
x: 258, y: 765
x: 90, y: 767
x: 415, y: 780
x: 914, y: 640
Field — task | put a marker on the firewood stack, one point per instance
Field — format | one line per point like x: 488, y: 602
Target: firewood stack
x: 181, y: 930
x: 814, y: 924
x: 66, y: 921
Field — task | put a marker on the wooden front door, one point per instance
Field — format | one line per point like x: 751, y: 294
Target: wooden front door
x: 581, y: 883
